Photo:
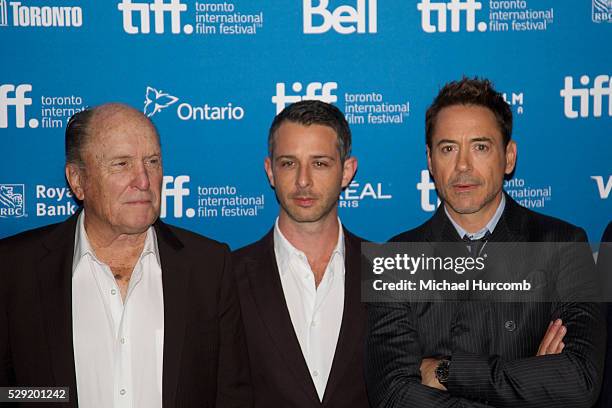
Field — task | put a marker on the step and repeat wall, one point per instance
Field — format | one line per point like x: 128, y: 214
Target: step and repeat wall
x: 212, y: 74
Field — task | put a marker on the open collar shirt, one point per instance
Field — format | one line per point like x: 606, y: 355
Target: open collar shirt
x: 118, y: 345
x: 316, y: 312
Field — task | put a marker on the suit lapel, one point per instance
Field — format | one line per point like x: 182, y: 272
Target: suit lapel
x: 265, y: 284
x: 353, y: 317
x: 175, y: 272
x: 54, y: 271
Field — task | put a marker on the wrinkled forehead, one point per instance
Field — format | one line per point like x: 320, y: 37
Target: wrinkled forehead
x: 124, y: 126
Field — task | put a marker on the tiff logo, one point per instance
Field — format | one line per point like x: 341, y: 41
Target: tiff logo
x: 602, y: 86
x: 344, y: 19
x: 426, y: 186
x: 314, y: 91
x: 456, y: 8
x: 159, y: 9
x: 19, y: 101
x: 177, y: 191
x: 604, y: 189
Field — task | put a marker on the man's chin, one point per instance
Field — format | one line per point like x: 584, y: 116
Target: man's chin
x: 466, y: 207
x: 139, y: 223
x: 304, y: 215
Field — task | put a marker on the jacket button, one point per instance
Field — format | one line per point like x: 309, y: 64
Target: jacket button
x: 510, y: 325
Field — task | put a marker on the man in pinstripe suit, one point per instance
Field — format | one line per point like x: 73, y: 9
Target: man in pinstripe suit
x: 475, y: 354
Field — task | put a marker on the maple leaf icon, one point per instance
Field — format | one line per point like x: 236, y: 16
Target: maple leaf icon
x: 156, y: 100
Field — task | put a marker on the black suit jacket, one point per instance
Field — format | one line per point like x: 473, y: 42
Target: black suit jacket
x: 492, y: 344
x: 204, y: 360
x: 604, y: 265
x: 279, y: 372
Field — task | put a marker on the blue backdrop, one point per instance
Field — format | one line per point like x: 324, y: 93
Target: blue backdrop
x: 212, y: 75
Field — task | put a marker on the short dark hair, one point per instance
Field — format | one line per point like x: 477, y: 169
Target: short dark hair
x: 468, y: 91
x: 313, y: 112
x: 77, y: 135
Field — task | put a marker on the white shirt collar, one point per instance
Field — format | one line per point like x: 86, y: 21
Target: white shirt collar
x: 82, y: 246
x: 285, y: 251
x: 489, y: 227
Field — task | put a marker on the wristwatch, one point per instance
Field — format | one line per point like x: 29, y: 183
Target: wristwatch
x: 443, y: 370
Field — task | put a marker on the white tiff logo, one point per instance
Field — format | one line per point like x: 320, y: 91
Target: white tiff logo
x: 314, y: 91
x: 456, y: 9
x: 19, y: 101
x: 158, y: 8
x: 426, y: 186
x: 602, y: 86
x: 177, y: 191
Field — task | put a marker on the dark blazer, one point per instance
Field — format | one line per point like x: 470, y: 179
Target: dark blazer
x: 279, y: 372
x: 492, y: 345
x: 204, y: 362
x: 604, y: 266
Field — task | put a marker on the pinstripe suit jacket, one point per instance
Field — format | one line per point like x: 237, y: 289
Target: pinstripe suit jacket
x: 492, y: 345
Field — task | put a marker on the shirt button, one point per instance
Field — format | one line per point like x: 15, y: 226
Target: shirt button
x: 123, y: 340
x: 510, y: 325
x: 313, y: 324
x: 315, y: 373
x: 113, y: 292
x: 122, y: 392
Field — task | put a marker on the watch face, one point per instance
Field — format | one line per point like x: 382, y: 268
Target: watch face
x: 442, y: 371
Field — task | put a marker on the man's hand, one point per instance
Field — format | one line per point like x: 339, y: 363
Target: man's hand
x: 428, y: 373
x: 552, y: 343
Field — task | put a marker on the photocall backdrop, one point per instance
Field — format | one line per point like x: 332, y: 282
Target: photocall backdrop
x: 212, y: 75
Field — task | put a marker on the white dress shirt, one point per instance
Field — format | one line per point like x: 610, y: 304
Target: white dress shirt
x: 316, y: 313
x: 118, y: 346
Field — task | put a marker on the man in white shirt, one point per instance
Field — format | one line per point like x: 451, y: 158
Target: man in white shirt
x: 299, y: 286
x: 114, y: 304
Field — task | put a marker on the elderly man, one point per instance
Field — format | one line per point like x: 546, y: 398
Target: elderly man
x: 113, y: 303
x: 299, y: 285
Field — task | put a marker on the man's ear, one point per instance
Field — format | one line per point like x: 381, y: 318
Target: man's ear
x: 348, y: 170
x: 268, y: 168
x: 510, y: 157
x: 76, y: 179
x: 428, y: 152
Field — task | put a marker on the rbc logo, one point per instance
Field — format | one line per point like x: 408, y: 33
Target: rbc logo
x: 19, y: 101
x: 604, y: 190
x: 344, y: 19
x: 177, y: 191
x: 12, y: 200
x: 456, y: 7
x: 602, y: 11
x: 602, y: 86
x: 159, y: 9
x: 314, y: 91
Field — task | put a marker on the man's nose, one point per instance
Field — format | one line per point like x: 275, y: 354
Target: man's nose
x: 464, y: 160
x: 304, y: 176
x: 141, y: 177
